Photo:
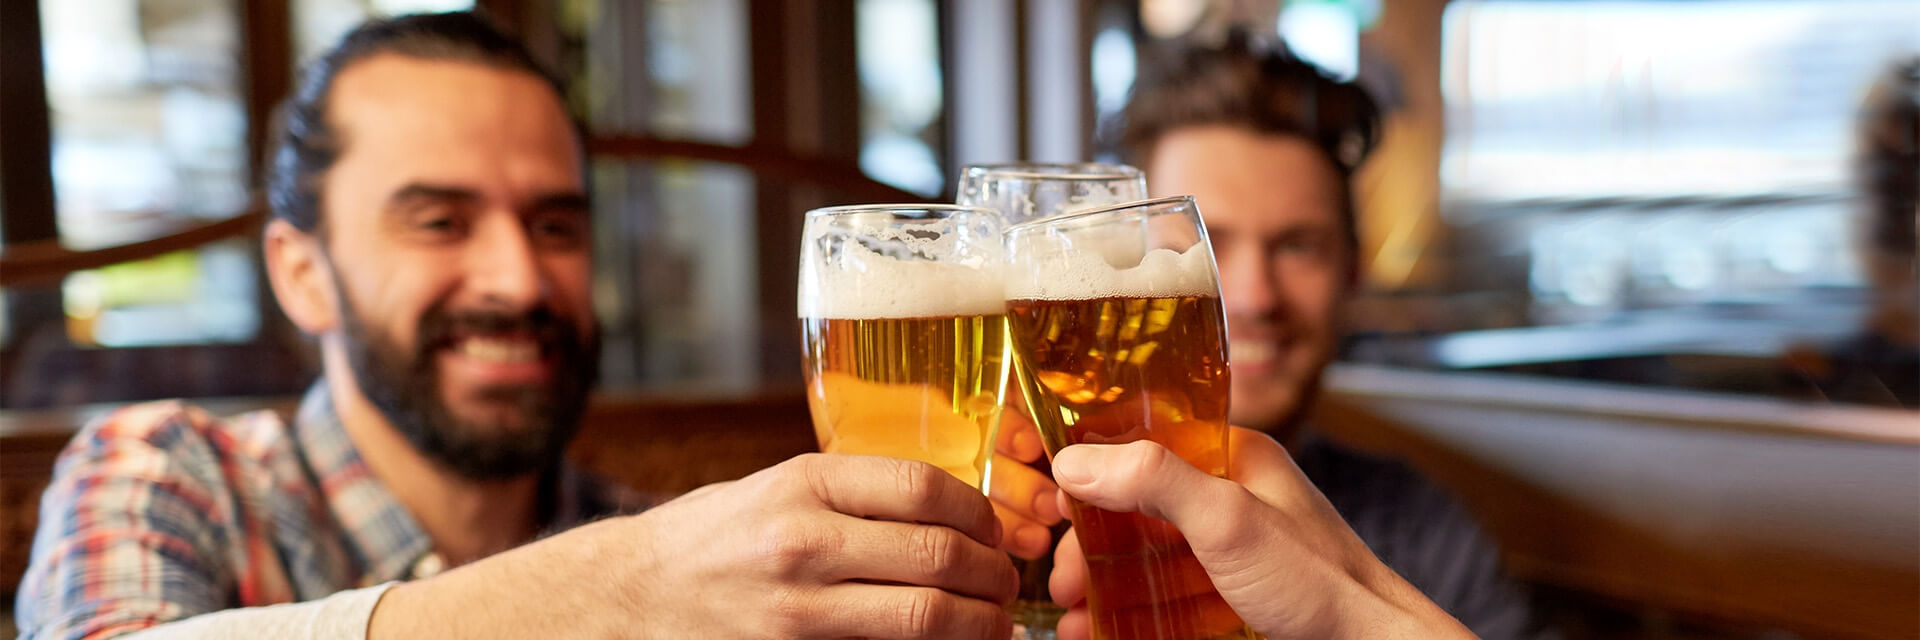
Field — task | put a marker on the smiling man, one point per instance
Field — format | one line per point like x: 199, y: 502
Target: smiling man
x: 1268, y: 145
x: 430, y: 229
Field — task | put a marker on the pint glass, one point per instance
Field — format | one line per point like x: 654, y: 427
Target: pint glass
x: 905, y: 343
x: 1116, y: 322
x: 1023, y: 192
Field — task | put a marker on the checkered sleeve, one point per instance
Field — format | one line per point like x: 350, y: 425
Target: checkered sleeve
x: 134, y: 530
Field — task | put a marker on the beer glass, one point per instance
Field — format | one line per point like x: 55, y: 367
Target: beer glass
x: 1023, y: 192
x: 901, y: 312
x: 1116, y: 323
x: 1027, y: 191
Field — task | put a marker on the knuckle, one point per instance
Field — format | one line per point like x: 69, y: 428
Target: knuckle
x: 1142, y: 460
x: 925, y: 610
x: 919, y: 484
x: 938, y: 550
x: 789, y: 546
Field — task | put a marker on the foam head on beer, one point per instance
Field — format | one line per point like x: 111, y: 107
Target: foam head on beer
x: 1105, y: 253
x: 903, y: 323
x: 872, y: 270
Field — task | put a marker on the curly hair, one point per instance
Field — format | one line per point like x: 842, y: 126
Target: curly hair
x: 1266, y: 90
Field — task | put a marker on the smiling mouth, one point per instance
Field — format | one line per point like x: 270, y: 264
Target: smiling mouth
x: 499, y: 349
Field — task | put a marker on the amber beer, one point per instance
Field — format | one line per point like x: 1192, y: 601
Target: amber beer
x: 917, y: 388
x: 1120, y: 369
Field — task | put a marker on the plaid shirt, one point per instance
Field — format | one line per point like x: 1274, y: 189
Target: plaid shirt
x: 161, y: 512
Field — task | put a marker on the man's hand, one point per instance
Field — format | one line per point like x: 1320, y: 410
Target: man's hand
x: 1024, y: 498
x: 821, y: 546
x: 1277, y: 551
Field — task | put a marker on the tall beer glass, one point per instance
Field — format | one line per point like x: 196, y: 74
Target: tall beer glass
x: 901, y: 312
x: 1023, y: 192
x: 1116, y: 322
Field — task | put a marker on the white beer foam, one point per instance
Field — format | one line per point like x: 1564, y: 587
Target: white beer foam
x: 1089, y: 275
x: 865, y: 285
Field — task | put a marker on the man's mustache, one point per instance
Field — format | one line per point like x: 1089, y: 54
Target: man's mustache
x: 442, y: 328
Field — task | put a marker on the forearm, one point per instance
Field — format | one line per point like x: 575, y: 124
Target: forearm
x: 341, y: 616
x: 544, y: 589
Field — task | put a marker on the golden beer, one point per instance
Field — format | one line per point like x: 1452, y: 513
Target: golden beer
x: 1115, y: 370
x: 923, y: 389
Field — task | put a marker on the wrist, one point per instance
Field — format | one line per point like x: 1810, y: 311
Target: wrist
x: 1407, y: 613
x: 557, y: 588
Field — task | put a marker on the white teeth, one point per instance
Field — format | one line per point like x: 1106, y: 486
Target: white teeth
x: 1251, y: 351
x: 498, y: 350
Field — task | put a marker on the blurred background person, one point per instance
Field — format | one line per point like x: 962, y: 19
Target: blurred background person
x: 1267, y: 144
x: 1881, y: 365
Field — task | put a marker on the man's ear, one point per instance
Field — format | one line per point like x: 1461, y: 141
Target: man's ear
x: 302, y: 283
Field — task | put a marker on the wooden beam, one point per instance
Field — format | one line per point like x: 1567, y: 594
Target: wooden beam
x: 26, y: 168
x: 267, y: 38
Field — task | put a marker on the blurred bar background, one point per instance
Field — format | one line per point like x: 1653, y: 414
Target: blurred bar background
x: 1617, y: 268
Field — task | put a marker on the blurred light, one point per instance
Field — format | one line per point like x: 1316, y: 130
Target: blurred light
x: 1325, y: 34
x: 1113, y: 69
x: 1689, y: 268
x: 1625, y: 98
x: 1170, y: 18
x: 900, y: 93
x: 1791, y: 251
x: 397, y: 7
x: 901, y: 162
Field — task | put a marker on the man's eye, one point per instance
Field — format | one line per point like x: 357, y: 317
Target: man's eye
x: 559, y: 229
x: 1299, y: 245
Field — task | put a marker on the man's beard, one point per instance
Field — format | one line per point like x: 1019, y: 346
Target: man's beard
x: 405, y: 387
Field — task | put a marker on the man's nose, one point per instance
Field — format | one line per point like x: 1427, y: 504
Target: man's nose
x: 503, y: 266
x: 1247, y: 286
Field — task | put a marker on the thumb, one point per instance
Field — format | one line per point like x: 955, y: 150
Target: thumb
x: 1145, y: 477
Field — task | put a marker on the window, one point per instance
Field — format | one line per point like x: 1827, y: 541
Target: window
x: 901, y: 114
x: 1651, y: 166
x: 320, y: 23
x: 677, y: 273
x: 149, y: 136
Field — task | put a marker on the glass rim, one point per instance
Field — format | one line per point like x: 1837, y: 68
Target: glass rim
x: 849, y: 209
x: 1077, y: 171
x: 1183, y: 201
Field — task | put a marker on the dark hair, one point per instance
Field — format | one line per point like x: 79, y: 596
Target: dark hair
x: 1263, y: 88
x: 1889, y: 160
x: 306, y: 144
